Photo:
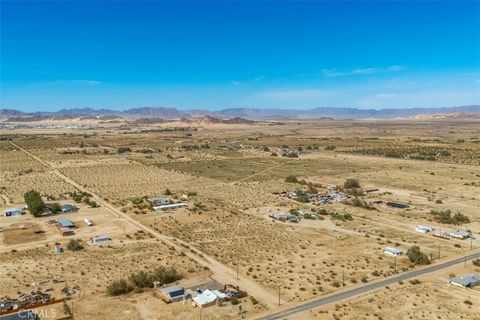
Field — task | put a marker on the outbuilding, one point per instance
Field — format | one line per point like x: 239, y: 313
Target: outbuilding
x: 174, y: 293
x: 468, y: 281
x: 99, y: 240
x: 13, y: 212
x: 170, y: 206
x: 423, y: 229
x: 393, y: 251
x: 66, y: 223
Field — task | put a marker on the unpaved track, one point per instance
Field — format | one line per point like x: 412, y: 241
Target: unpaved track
x: 221, y: 272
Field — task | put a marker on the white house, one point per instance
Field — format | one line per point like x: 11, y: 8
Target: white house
x: 423, y: 229
x: 208, y: 298
x: 99, y: 240
x: 393, y: 251
x: 13, y: 212
x: 170, y: 206
x: 460, y: 234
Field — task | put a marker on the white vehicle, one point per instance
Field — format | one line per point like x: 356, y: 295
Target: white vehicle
x: 88, y: 222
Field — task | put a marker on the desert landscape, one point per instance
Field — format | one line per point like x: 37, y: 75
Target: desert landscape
x: 288, y: 211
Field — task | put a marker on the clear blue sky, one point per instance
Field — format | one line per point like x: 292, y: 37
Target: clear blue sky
x: 229, y: 54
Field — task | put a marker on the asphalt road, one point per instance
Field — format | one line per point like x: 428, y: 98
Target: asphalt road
x: 366, y: 288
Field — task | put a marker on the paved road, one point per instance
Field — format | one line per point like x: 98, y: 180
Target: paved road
x: 366, y: 288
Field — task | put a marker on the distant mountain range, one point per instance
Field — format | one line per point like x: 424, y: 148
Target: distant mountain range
x: 248, y: 113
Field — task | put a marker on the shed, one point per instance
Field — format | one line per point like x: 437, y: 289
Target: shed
x: 468, y: 281
x: 13, y: 212
x: 174, y: 293
x: 98, y: 240
x: 393, y: 251
x: 397, y: 205
x: 66, y: 223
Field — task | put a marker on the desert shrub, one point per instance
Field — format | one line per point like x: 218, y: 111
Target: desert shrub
x: 291, y: 179
x: 416, y: 256
x: 167, y: 192
x: 123, y: 150
x: 74, y: 245
x: 118, y: 287
x: 141, y: 279
x: 165, y: 275
x: 393, y: 154
x: 330, y: 147
x: 351, y: 183
x: 446, y: 217
x: 468, y: 302
x: 55, y: 207
x: 235, y: 301
x: 302, y: 196
x: 476, y: 262
x: 34, y: 202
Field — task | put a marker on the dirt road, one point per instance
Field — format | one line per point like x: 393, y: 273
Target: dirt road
x: 221, y: 272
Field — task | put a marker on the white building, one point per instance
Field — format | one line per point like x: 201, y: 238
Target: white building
x: 423, y: 229
x: 393, y: 251
x: 170, y: 206
x: 208, y: 298
x: 99, y: 240
x: 13, y: 212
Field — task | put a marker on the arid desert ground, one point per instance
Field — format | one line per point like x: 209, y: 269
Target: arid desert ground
x: 233, y: 177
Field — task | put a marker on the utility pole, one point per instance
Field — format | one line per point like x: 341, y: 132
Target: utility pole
x: 343, y: 277
x: 279, y: 295
x: 154, y: 223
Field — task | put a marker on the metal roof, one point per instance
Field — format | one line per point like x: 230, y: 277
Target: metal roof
x: 172, y: 289
x: 466, y: 281
x: 392, y: 250
x: 66, y: 223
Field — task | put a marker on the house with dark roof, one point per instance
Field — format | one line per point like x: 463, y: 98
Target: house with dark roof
x: 174, y: 293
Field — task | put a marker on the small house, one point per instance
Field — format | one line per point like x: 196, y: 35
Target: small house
x: 208, y: 298
x: 170, y: 206
x: 466, y: 281
x: 13, y: 212
x: 423, y: 229
x: 460, y: 234
x: 68, y: 208
x: 99, y: 240
x: 174, y: 293
x: 393, y: 251
x: 66, y: 223
x: 442, y: 234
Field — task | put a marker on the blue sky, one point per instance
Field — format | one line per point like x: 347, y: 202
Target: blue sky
x: 217, y: 55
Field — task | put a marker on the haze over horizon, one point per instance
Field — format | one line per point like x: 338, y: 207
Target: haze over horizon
x: 217, y: 55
